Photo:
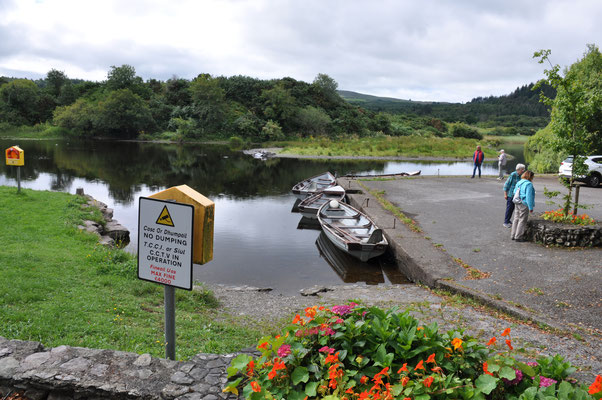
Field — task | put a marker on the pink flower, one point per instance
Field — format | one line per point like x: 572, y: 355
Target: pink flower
x: 338, y: 321
x: 545, y: 382
x: 326, y: 349
x: 284, y: 350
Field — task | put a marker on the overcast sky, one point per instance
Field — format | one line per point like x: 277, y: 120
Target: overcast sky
x: 432, y: 50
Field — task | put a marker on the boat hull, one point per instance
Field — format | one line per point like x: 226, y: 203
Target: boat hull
x: 314, y: 184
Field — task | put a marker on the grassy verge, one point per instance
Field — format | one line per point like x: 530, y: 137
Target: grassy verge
x: 40, y: 131
x: 405, y: 146
x: 57, y: 286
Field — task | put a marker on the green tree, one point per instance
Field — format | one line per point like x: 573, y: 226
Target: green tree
x: 19, y: 102
x: 462, y: 130
x: 576, y: 109
x: 78, y: 117
x: 123, y: 114
x: 279, y: 106
x: 272, y: 131
x: 55, y: 80
x: 209, y: 103
x: 313, y: 121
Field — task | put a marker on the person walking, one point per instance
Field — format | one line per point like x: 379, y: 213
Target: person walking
x: 526, y: 193
x: 477, y: 158
x: 501, y: 164
x: 509, y: 187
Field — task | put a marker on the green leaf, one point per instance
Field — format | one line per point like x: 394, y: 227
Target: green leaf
x: 564, y: 389
x: 507, y: 373
x: 295, y: 395
x: 300, y: 374
x: 396, y: 389
x: 232, y: 371
x: 486, y: 383
x: 422, y: 397
x: 381, y: 353
x: 526, y: 369
x: 241, y: 361
x: 529, y: 394
x: 310, y: 389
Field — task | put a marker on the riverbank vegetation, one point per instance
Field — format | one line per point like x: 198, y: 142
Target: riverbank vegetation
x: 61, y: 288
x: 247, y: 109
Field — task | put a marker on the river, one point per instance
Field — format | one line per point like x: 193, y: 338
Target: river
x: 257, y: 239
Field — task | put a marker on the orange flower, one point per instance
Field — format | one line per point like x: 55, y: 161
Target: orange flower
x: 419, y: 328
x: 364, y: 379
x: 263, y: 346
x: 491, y: 341
x: 596, y: 386
x: 255, y: 386
x: 485, y: 366
x: 419, y: 366
x: 457, y: 343
x: 428, y: 381
x: 250, y: 368
x: 431, y: 359
x: 404, y: 381
x: 310, y: 312
x: 509, y: 344
x: 296, y: 319
x: 506, y: 332
x: 404, y: 367
x: 350, y: 391
x: 332, y: 358
x: 272, y: 374
x: 437, y: 370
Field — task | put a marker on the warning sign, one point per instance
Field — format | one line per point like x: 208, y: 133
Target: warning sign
x: 165, y: 239
x: 165, y: 218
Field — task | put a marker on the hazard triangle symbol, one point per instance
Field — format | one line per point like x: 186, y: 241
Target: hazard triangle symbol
x: 165, y: 218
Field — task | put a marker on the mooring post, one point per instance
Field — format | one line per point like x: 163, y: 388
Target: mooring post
x: 170, y: 322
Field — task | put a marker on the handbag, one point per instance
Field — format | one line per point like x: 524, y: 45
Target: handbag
x: 516, y: 198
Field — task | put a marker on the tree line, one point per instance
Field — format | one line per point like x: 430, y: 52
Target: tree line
x: 124, y: 106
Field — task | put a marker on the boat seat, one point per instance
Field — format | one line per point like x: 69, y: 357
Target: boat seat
x: 341, y: 216
x: 367, y: 226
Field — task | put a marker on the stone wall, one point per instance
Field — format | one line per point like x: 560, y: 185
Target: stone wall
x: 29, y: 370
x: 551, y: 233
x: 111, y: 233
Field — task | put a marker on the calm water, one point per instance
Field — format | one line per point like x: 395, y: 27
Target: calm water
x: 257, y: 240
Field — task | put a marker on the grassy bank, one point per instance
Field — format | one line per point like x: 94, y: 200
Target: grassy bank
x: 40, y: 131
x: 406, y: 146
x: 57, y: 286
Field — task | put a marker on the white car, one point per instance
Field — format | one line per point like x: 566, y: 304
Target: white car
x: 594, y: 175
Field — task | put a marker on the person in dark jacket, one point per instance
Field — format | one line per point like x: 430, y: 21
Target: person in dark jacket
x: 509, y: 192
x: 477, y: 158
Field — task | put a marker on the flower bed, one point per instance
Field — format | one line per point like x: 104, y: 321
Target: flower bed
x: 351, y: 352
x: 566, y: 235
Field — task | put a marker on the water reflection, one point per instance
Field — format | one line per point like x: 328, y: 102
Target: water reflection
x: 257, y: 240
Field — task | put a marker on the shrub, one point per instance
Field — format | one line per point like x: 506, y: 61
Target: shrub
x: 351, y: 352
x: 462, y: 130
x: 235, y: 143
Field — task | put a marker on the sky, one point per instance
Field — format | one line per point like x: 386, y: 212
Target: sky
x: 427, y: 50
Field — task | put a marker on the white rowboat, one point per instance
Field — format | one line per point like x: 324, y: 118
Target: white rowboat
x: 310, y: 205
x: 314, y: 184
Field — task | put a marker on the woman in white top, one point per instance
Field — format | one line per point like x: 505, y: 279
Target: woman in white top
x: 501, y: 164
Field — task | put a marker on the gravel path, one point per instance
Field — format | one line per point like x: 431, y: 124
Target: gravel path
x: 262, y: 307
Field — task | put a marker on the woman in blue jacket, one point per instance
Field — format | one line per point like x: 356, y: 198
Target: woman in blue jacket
x: 526, y: 193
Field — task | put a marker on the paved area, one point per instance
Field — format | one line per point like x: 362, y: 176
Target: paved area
x: 463, y: 218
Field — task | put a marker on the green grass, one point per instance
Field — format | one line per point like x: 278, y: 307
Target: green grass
x: 40, y: 131
x: 57, y: 286
x: 405, y: 146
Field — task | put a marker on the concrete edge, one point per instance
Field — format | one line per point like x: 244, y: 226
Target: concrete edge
x: 413, y: 266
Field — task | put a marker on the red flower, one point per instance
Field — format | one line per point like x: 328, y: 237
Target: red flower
x: 296, y: 319
x: 350, y: 391
x: 404, y: 367
x: 509, y: 344
x: 419, y: 365
x: 250, y: 368
x: 506, y: 332
x: 431, y: 359
x: 596, y: 386
x: 332, y: 358
x: 364, y: 379
x: 255, y: 386
x: 404, y: 381
x: 491, y: 341
x: 428, y: 381
x: 485, y: 366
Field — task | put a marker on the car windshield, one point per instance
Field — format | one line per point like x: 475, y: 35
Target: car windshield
x: 569, y: 160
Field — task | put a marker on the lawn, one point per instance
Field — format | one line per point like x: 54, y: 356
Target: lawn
x: 59, y: 287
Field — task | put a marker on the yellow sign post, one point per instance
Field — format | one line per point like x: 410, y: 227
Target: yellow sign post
x: 161, y: 263
x: 15, y: 156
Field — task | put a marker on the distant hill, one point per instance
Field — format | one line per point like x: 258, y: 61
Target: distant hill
x: 520, y: 107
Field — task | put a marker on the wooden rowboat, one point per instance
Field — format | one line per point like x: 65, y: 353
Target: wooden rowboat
x: 314, y: 184
x: 351, y: 230
x: 310, y: 205
x: 413, y: 173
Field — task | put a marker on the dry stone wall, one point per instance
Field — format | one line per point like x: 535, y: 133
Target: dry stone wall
x: 554, y: 234
x: 66, y: 372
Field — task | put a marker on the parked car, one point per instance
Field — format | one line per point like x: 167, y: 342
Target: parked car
x: 594, y: 175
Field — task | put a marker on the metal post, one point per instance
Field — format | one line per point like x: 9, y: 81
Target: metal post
x: 18, y: 179
x: 576, y: 199
x: 170, y: 322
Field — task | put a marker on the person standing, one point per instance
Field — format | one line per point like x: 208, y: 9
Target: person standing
x: 526, y: 193
x: 477, y: 158
x: 501, y: 164
x: 509, y: 187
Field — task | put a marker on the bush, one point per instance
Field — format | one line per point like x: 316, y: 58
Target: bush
x: 459, y: 129
x: 272, y: 131
x: 235, y: 143
x: 351, y: 352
